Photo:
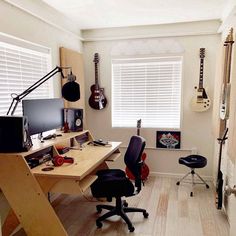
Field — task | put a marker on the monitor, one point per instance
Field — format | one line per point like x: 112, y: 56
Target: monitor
x: 43, y: 114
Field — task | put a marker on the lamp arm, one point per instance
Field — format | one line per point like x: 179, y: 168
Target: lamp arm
x: 19, y: 97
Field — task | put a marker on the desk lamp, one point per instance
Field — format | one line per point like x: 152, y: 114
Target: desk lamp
x: 70, y: 90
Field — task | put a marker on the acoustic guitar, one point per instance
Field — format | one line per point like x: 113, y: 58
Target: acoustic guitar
x: 97, y: 100
x: 225, y: 94
x: 220, y: 180
x: 200, y: 102
x: 144, y: 167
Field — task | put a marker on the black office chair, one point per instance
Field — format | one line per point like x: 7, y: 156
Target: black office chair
x: 193, y: 162
x: 114, y: 183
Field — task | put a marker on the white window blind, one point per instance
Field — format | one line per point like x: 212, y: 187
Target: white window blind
x: 20, y: 68
x: 147, y: 89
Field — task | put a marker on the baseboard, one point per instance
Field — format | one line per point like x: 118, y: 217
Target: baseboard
x: 178, y: 176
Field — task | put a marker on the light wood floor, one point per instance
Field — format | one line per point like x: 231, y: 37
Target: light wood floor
x: 171, y: 212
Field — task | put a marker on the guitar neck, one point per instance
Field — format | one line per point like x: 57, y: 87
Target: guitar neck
x: 200, y: 86
x: 96, y: 76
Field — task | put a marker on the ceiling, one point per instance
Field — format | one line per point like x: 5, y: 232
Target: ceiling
x: 91, y: 14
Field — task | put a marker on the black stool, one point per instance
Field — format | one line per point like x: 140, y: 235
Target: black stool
x: 193, y: 161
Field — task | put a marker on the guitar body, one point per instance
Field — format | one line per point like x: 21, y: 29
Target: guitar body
x: 220, y: 180
x: 144, y: 170
x: 200, y: 101
x: 219, y: 190
x: 97, y: 100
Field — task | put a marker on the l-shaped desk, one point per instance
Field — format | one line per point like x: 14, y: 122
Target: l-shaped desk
x: 26, y: 189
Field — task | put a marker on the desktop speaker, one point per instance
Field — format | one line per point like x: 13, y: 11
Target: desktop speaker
x: 74, y: 118
x: 14, y: 136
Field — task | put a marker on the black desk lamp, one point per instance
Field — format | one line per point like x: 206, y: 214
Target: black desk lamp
x: 70, y: 90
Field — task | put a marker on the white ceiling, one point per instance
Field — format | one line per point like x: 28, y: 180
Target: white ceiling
x: 91, y: 14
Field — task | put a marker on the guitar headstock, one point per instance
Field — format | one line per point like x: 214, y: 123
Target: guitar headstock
x: 139, y: 123
x: 138, y: 126
x: 96, y: 58
x: 230, y: 38
x: 202, y: 52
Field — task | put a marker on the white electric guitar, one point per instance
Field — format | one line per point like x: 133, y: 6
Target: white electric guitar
x: 200, y: 102
x: 225, y: 94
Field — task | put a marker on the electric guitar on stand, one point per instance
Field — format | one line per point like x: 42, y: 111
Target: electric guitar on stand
x: 97, y: 100
x: 220, y: 180
x: 144, y: 168
x: 200, y: 102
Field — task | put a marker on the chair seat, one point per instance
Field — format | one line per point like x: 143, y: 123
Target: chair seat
x: 111, y: 172
x: 112, y: 183
x: 193, y: 161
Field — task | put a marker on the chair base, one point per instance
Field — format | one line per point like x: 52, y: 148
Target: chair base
x: 193, y: 173
x: 120, y: 209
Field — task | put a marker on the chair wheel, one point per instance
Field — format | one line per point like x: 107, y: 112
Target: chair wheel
x: 131, y: 228
x: 99, y: 224
x: 99, y: 210
x: 191, y: 194
x: 125, y: 204
x: 145, y: 214
x: 207, y: 186
x: 178, y: 183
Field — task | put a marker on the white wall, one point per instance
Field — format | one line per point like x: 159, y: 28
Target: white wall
x: 196, y: 127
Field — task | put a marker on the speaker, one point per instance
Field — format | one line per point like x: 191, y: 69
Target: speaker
x: 14, y: 136
x: 74, y: 118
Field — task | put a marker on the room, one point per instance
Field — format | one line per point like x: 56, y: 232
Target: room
x: 95, y: 38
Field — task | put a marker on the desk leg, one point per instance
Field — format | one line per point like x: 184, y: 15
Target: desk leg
x: 27, y: 199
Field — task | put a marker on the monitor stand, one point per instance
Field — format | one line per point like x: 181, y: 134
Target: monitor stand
x: 40, y: 137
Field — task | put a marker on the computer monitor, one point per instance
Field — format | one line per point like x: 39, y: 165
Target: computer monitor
x: 43, y: 114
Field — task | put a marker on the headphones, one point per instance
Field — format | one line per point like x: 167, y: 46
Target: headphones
x: 59, y: 160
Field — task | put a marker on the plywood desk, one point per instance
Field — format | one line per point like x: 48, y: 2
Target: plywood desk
x: 25, y: 188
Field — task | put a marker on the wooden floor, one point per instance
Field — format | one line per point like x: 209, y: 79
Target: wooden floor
x: 172, y: 212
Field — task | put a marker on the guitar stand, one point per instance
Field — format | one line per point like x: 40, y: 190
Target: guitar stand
x: 192, y: 172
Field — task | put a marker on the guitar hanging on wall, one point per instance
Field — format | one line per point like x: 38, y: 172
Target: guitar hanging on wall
x: 225, y: 94
x: 200, y: 102
x: 97, y: 99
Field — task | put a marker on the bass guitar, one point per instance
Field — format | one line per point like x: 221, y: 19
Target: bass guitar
x: 200, y: 102
x: 225, y: 94
x: 144, y: 168
x: 97, y: 100
x: 220, y: 180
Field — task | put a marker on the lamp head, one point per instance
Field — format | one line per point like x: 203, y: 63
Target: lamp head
x: 71, y: 89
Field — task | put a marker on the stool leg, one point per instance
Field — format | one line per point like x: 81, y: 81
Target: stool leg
x: 192, y: 172
x: 183, y: 178
x: 202, y: 180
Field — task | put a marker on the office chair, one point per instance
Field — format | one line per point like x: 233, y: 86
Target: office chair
x: 114, y: 183
x: 193, y: 162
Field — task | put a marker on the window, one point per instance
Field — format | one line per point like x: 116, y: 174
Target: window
x: 21, y: 67
x: 147, y: 89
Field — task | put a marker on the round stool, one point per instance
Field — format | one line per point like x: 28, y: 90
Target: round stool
x: 193, y: 162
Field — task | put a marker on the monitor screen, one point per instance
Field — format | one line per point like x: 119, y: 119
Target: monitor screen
x: 43, y: 114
